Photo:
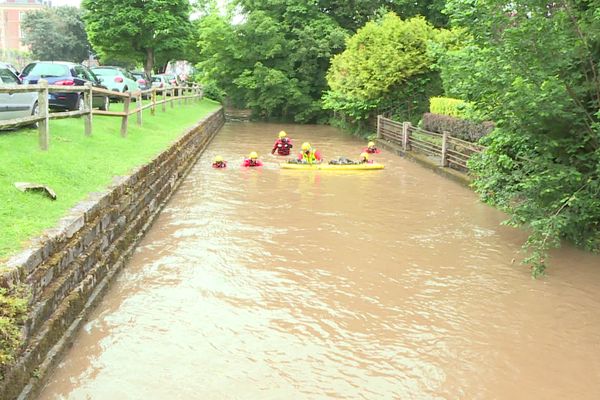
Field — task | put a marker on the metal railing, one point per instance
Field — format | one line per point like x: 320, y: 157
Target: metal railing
x: 181, y: 94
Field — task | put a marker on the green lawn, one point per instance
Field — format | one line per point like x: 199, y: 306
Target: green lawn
x: 76, y: 165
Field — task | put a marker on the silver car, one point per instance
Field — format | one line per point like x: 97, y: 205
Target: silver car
x: 15, y: 105
x: 161, y: 81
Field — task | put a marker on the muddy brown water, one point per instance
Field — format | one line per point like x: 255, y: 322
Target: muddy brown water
x: 394, y: 284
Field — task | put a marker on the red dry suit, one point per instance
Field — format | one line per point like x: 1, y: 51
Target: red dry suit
x: 282, y: 146
x: 220, y: 164
x: 371, y: 150
x: 248, y: 162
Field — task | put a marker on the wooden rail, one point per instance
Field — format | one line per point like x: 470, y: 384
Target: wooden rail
x: 177, y: 93
x: 450, y: 151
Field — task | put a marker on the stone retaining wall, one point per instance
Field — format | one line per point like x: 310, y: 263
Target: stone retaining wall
x: 70, y: 266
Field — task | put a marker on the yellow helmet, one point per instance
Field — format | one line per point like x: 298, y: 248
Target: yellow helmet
x: 282, y: 134
x: 253, y: 155
x: 218, y: 159
x: 364, y: 155
x: 371, y: 144
x: 306, y: 146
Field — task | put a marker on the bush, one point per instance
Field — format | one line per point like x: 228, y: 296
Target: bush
x: 460, y: 128
x: 449, y: 106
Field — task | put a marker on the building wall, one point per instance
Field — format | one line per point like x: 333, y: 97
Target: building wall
x: 11, y: 14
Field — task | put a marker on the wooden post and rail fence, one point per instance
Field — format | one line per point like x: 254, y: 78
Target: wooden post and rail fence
x: 43, y: 114
x: 448, y: 151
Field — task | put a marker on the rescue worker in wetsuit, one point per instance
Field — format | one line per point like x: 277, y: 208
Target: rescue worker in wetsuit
x: 282, y: 145
x: 364, y: 158
x: 252, y: 160
x: 371, y: 149
x: 219, y: 162
x: 309, y: 155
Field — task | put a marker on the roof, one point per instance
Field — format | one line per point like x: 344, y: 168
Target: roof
x: 65, y: 63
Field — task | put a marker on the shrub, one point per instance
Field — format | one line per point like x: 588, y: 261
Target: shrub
x: 460, y: 128
x: 449, y: 106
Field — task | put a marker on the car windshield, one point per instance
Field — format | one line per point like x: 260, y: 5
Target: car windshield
x: 46, y: 70
x: 106, y: 71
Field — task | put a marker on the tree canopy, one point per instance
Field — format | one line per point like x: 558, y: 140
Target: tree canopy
x: 146, y: 31
x: 532, y: 67
x: 56, y: 33
x: 385, y: 66
x: 275, y: 60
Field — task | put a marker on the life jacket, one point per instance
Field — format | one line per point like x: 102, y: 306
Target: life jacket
x: 252, y: 163
x: 220, y: 164
x: 372, y: 150
x: 283, y: 147
x: 312, y: 157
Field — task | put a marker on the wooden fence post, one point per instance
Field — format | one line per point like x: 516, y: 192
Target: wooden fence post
x: 88, y: 97
x: 405, y: 135
x: 164, y: 97
x: 43, y: 126
x: 125, y: 121
x: 153, y: 99
x: 172, y: 98
x: 444, y: 161
x: 139, y: 104
x: 379, y: 134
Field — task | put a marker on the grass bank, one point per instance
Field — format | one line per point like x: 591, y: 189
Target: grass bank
x: 76, y: 165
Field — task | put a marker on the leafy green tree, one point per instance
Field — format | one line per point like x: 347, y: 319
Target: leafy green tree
x: 385, y: 64
x: 56, y: 34
x: 146, y: 31
x: 275, y: 59
x: 532, y: 67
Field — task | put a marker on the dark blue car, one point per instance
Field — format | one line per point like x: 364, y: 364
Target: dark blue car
x: 66, y: 74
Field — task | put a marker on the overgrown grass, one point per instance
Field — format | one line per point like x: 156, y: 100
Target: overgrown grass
x: 76, y: 165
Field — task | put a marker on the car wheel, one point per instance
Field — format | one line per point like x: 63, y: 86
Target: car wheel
x: 35, y: 110
x: 80, y: 103
x: 106, y: 105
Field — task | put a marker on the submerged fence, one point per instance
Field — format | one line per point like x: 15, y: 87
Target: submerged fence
x: 447, y: 150
x: 180, y: 94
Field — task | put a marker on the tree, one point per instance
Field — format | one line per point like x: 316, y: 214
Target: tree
x: 385, y: 64
x: 139, y: 30
x: 274, y: 62
x: 56, y: 34
x: 532, y: 67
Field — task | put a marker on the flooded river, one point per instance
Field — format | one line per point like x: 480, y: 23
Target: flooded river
x: 393, y: 284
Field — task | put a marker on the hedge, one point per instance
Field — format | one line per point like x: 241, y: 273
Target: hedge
x: 460, y: 128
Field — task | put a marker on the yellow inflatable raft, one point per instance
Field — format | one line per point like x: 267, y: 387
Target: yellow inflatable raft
x: 333, y: 167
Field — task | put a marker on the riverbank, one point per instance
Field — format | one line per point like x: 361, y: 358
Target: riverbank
x: 65, y: 271
x: 77, y: 165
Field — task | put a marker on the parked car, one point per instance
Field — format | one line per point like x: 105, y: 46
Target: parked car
x: 65, y: 74
x: 173, y: 79
x: 117, y: 79
x: 15, y: 105
x: 142, y: 80
x: 161, y: 81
